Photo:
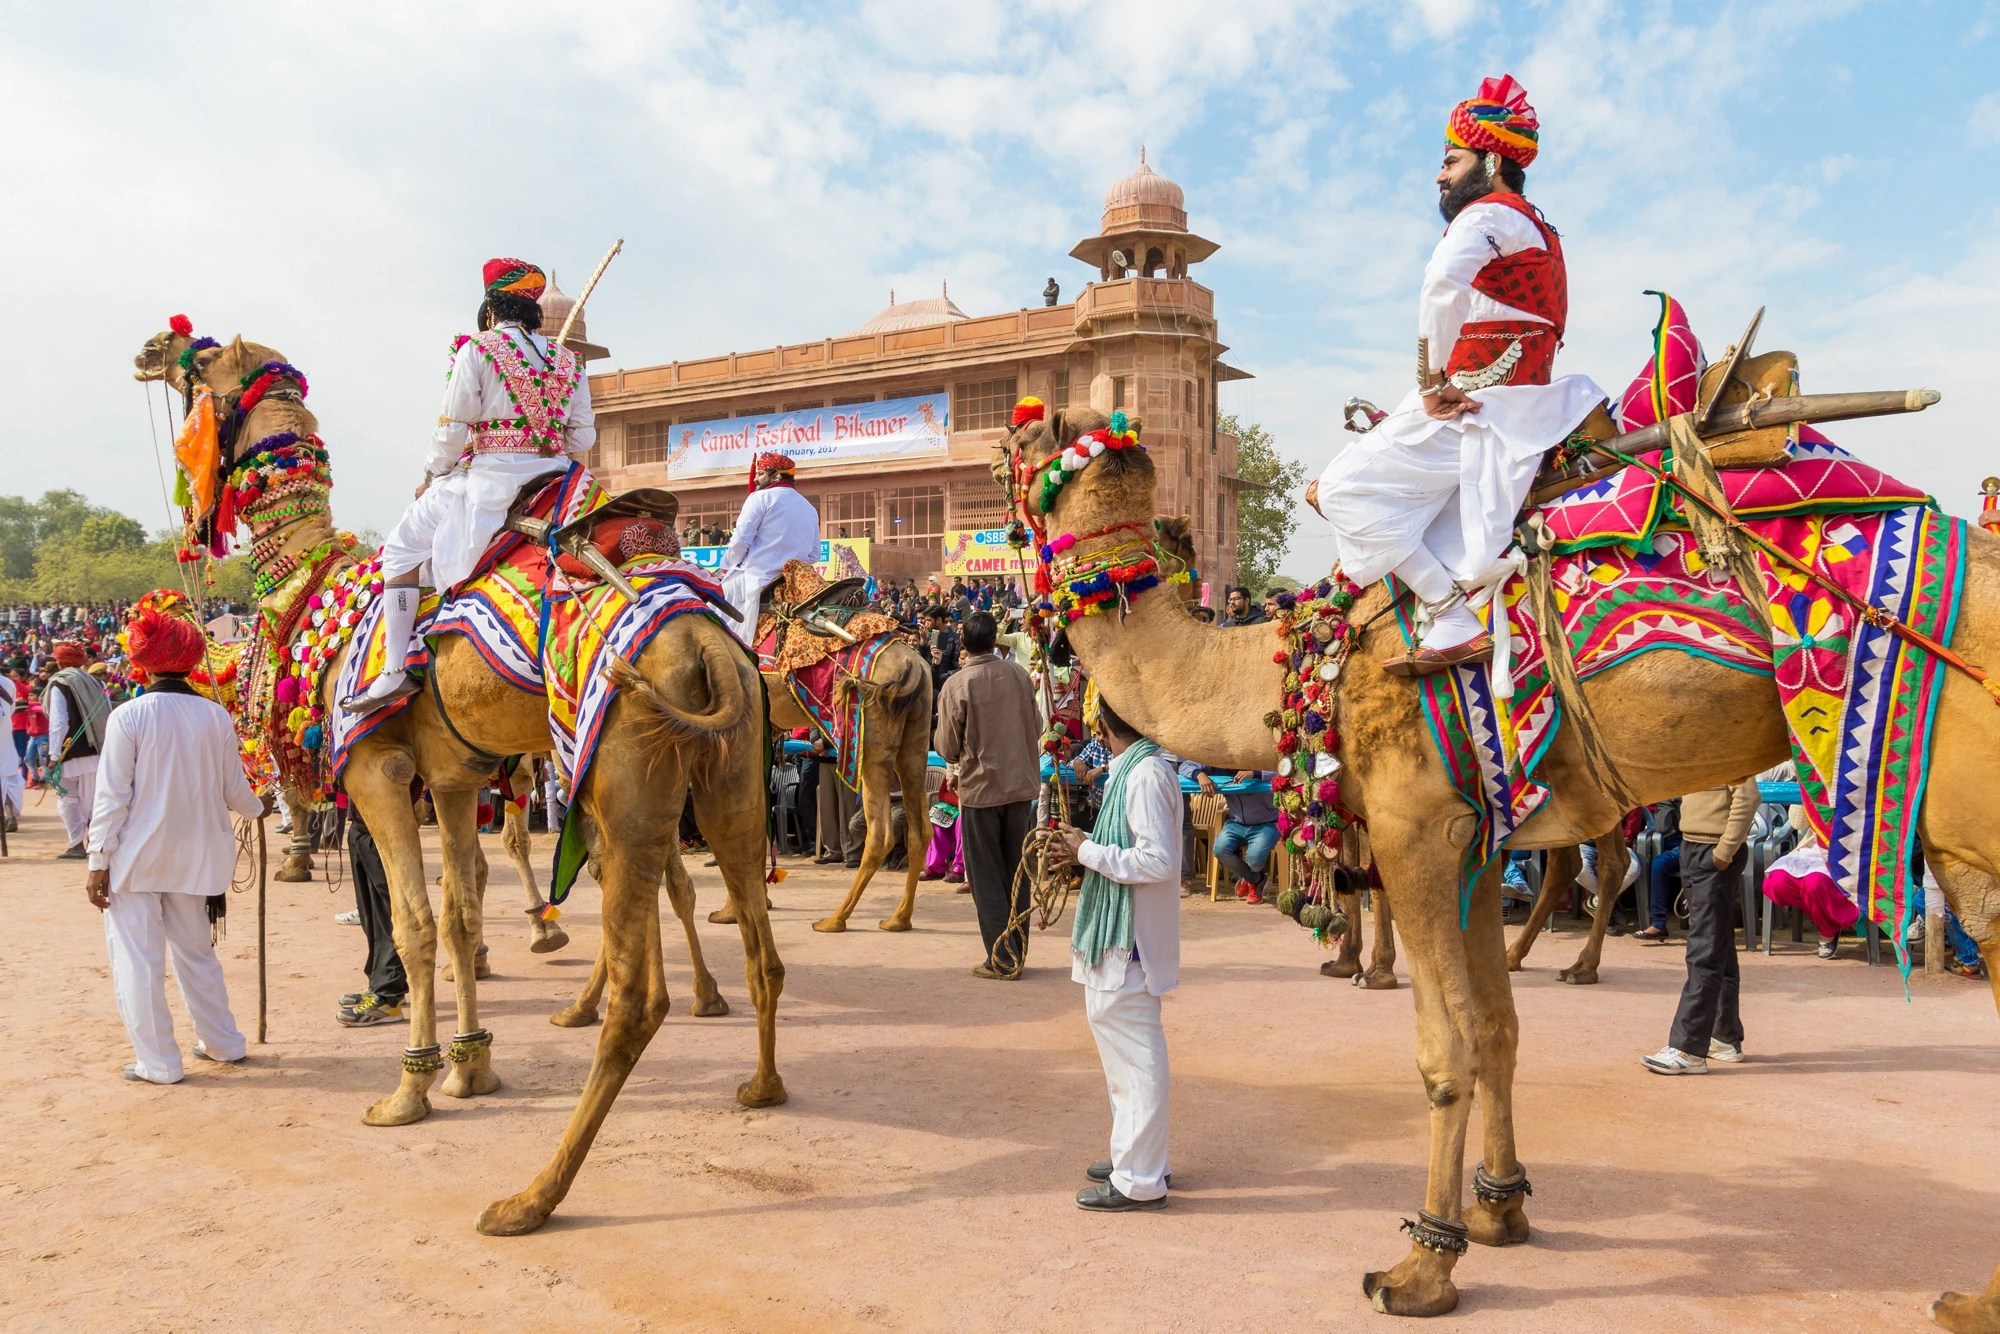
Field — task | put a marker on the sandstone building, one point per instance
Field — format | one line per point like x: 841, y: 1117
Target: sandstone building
x: 1141, y: 336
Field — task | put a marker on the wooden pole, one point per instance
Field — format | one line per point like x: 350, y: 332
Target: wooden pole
x: 263, y: 981
x: 588, y: 288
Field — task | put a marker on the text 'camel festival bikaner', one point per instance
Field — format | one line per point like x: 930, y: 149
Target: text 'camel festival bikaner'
x: 1490, y: 817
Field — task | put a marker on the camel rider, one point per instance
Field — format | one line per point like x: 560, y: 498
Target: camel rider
x: 777, y: 524
x: 515, y: 407
x: 1431, y: 494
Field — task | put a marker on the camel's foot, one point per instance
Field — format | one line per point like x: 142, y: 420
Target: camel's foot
x: 1421, y: 1285
x: 1514, y: 960
x: 546, y: 937
x: 471, y: 1066
x: 480, y: 969
x: 297, y: 869
x: 760, y: 1092
x: 707, y: 1007
x: 576, y: 1016
x: 1498, y: 1223
x: 1578, y: 976
x: 1376, y: 980
x: 406, y: 1106
x: 515, y: 1216
x: 1340, y: 967
x: 900, y: 922
x: 1968, y: 1312
x: 723, y: 917
x: 831, y: 925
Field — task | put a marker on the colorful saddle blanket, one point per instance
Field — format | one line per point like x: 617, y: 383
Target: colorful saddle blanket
x: 1858, y: 701
x: 836, y: 715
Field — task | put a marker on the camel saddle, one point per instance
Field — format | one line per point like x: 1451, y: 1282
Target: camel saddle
x: 629, y: 525
x: 801, y: 596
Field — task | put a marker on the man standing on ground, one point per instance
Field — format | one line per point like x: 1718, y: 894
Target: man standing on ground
x: 987, y: 726
x: 13, y: 786
x: 77, y: 709
x: 382, y: 1002
x: 1713, y: 826
x: 1125, y: 948
x: 160, y: 847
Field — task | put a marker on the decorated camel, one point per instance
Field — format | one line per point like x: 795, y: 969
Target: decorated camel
x: 1565, y: 864
x: 1670, y: 722
x: 683, y: 720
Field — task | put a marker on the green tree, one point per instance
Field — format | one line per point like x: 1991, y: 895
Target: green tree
x: 1266, y: 511
x: 62, y: 548
x: 106, y: 533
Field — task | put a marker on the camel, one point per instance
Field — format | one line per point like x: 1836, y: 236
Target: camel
x: 1565, y: 864
x: 1673, y: 723
x: 686, y: 723
x: 896, y: 747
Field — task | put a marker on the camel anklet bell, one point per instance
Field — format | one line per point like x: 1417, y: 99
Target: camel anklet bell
x: 1435, y: 1234
x: 1492, y: 1190
x: 465, y: 1046
x: 422, y: 1060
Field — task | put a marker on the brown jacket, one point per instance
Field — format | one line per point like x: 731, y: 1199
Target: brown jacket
x: 988, y: 726
x: 1721, y: 816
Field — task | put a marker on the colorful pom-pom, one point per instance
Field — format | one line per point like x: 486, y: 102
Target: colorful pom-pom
x: 1029, y: 409
x: 181, y: 325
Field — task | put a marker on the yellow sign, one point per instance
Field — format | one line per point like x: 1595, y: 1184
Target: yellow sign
x: 844, y: 557
x: 984, y: 554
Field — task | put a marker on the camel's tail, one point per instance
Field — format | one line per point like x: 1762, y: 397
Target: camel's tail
x: 708, y: 732
x: 893, y: 695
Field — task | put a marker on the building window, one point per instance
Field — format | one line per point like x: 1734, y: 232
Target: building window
x: 913, y: 516
x: 1062, y: 387
x: 708, y: 520
x: 813, y: 406
x: 1187, y: 397
x: 847, y: 514
x: 977, y: 505
x: 763, y: 410
x: 646, y: 442
x: 1117, y: 392
x: 984, y: 405
x: 853, y: 398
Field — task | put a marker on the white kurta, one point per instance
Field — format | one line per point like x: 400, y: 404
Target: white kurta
x: 13, y: 783
x: 1453, y: 487
x: 170, y: 776
x: 1121, y: 998
x: 446, y: 530
x: 79, y: 773
x: 777, y: 524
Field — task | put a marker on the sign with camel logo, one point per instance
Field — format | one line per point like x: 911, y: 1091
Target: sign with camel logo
x: 896, y: 428
x: 984, y: 553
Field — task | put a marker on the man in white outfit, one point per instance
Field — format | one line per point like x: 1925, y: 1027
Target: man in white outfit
x: 161, y: 845
x: 1125, y: 948
x: 777, y: 524
x: 13, y: 783
x: 516, y: 407
x: 77, y: 709
x: 1431, y: 494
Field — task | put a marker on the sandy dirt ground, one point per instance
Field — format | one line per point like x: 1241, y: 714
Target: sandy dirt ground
x: 921, y: 1176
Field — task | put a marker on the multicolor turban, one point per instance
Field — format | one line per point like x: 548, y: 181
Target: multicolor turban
x: 516, y: 277
x: 1668, y: 384
x: 779, y: 463
x: 1499, y: 120
x: 158, y: 642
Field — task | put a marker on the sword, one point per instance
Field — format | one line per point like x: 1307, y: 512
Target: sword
x: 580, y: 546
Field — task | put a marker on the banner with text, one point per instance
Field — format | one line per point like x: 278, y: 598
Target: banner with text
x: 984, y: 554
x: 897, y: 428
x: 839, y: 557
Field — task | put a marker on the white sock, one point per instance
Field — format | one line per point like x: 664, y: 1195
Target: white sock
x: 399, y: 614
x: 1454, y: 627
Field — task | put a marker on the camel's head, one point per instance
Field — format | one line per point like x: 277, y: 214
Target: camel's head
x: 178, y: 357
x: 1115, y: 487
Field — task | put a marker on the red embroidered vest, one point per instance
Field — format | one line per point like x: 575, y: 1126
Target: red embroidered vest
x: 540, y: 397
x: 1530, y: 280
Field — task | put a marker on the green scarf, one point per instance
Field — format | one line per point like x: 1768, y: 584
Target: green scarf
x: 1104, y: 907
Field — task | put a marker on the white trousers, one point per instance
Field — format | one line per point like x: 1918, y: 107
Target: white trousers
x: 13, y: 783
x: 1133, y: 1046
x: 139, y: 928
x: 76, y: 806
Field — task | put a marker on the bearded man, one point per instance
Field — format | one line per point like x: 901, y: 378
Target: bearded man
x: 776, y: 525
x: 1431, y: 494
x: 516, y: 407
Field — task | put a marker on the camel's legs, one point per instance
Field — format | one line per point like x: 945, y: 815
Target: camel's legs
x: 911, y: 758
x: 1446, y: 1050
x: 1381, y: 974
x: 384, y: 802
x: 876, y: 769
x: 297, y: 867
x: 1347, y: 963
x: 629, y: 871
x: 708, y: 1000
x: 543, y: 937
x: 582, y: 1012
x: 1565, y: 864
x: 463, y: 923
x: 1497, y: 1216
x: 1611, y: 859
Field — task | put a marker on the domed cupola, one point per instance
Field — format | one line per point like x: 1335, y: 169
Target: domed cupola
x: 1144, y: 230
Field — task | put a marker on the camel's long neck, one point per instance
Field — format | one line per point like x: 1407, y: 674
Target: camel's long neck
x: 1198, y: 690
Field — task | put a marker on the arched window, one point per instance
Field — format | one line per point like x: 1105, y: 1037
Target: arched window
x: 1155, y: 261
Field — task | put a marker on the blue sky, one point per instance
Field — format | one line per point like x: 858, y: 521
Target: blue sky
x: 327, y: 179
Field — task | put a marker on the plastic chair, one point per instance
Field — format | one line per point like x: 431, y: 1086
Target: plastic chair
x: 790, y: 831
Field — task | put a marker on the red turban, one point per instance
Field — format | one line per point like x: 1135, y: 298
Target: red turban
x: 515, y: 277
x: 779, y: 463
x: 69, y: 654
x: 160, y: 643
x: 1499, y: 120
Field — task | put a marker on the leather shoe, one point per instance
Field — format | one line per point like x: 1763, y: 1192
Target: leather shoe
x: 1426, y: 661
x: 1107, y: 1199
x: 1101, y: 1171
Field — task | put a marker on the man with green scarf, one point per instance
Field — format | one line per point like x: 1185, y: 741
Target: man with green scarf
x: 1125, y: 948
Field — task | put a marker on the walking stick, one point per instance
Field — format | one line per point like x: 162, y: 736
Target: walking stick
x: 263, y: 984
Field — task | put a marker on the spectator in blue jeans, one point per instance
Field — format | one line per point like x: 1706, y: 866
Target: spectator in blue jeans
x: 1248, y: 837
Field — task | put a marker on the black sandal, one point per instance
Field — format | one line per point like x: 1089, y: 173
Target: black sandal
x: 1651, y: 935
